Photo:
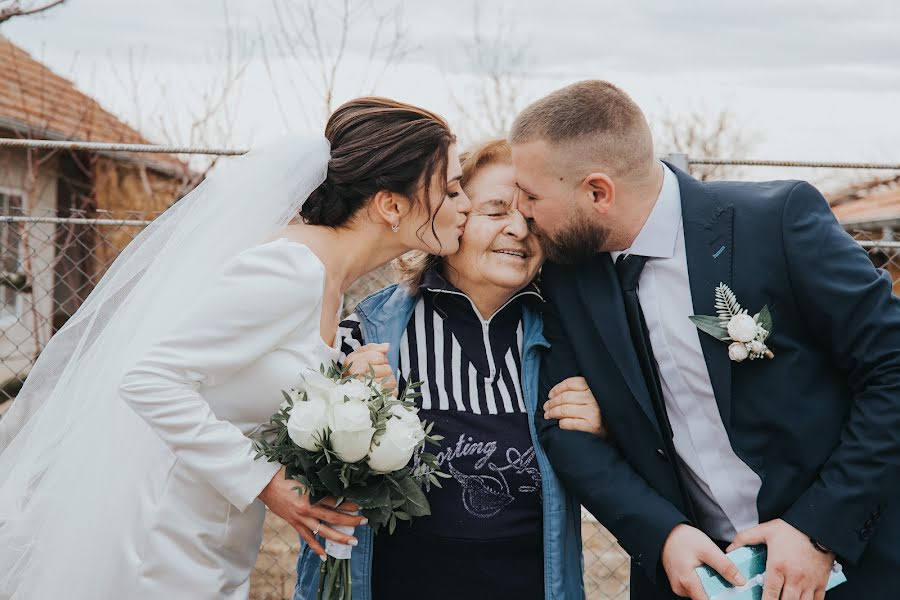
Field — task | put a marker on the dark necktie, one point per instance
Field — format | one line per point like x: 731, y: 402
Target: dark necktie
x: 628, y: 269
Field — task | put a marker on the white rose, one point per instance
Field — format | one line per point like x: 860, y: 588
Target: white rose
x: 308, y: 422
x: 353, y: 389
x: 411, y: 417
x: 294, y: 395
x: 318, y: 386
x: 738, y: 352
x: 742, y: 328
x: 757, y: 347
x: 351, y: 430
x: 393, y: 450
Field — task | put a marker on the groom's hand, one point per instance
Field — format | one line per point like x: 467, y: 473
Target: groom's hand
x: 687, y: 548
x: 795, y: 569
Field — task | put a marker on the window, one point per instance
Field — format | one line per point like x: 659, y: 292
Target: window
x: 10, y: 252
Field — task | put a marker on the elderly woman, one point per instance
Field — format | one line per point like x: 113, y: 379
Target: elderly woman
x: 469, y: 326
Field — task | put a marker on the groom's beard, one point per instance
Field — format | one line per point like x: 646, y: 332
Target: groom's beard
x: 575, y: 243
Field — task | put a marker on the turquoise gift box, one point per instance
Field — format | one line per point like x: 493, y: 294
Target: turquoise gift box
x: 751, y: 560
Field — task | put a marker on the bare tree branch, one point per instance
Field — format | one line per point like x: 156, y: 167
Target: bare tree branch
x: 497, y: 59
x: 700, y: 133
x: 314, y: 36
x: 15, y: 8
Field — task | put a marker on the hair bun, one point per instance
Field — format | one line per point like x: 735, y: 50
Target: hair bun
x: 377, y: 144
x: 325, y: 206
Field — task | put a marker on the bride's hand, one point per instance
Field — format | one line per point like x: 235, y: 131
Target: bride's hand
x: 374, y: 356
x: 572, y: 402
x: 309, y: 519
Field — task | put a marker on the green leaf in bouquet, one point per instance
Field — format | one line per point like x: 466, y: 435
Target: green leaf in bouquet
x: 287, y: 398
x: 305, y: 460
x: 303, y: 482
x: 345, y: 475
x: 330, y: 475
x: 710, y: 325
x: 402, y: 515
x: 416, y: 502
x: 373, y: 495
x: 378, y: 516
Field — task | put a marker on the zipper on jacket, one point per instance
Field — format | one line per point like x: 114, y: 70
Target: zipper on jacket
x: 486, y: 324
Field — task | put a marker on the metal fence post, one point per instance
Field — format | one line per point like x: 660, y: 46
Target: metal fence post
x: 679, y: 160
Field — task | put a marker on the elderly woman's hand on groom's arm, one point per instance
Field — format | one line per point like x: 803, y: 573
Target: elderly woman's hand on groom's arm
x: 573, y: 404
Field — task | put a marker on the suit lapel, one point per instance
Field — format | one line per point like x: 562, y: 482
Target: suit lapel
x: 602, y: 297
x: 708, y: 245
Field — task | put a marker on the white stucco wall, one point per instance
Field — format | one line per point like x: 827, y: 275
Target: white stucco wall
x: 28, y: 326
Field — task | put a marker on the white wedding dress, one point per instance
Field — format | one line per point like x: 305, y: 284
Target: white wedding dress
x: 126, y: 464
x: 205, y: 390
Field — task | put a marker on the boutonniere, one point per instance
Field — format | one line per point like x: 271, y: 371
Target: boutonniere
x: 732, y: 324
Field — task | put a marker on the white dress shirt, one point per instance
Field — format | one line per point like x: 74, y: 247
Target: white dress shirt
x: 722, y: 487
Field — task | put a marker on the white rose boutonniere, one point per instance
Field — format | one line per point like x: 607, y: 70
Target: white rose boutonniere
x: 747, y: 335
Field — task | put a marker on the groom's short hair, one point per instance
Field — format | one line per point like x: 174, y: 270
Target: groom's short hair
x: 594, y: 118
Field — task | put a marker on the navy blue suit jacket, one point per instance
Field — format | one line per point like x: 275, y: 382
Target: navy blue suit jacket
x: 819, y: 423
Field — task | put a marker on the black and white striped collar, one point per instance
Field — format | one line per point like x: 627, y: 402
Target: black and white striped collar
x: 435, y: 282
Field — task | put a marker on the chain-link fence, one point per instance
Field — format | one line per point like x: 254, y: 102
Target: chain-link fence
x: 49, y: 265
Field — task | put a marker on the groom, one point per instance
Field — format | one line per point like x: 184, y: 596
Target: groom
x: 800, y: 451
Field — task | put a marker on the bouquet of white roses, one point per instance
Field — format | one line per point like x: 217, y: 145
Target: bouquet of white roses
x: 351, y: 439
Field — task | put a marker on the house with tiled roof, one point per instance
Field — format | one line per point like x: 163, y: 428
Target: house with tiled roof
x: 49, y: 265
x: 871, y: 212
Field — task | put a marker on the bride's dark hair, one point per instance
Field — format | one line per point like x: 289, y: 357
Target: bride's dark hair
x: 378, y: 144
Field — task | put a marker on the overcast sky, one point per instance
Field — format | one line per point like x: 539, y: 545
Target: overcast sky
x: 810, y: 80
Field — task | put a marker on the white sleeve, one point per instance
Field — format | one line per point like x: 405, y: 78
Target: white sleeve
x: 264, y: 294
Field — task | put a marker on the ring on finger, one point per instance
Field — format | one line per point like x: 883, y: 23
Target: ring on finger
x: 318, y: 527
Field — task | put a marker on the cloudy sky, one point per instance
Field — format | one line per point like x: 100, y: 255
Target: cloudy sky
x: 807, y: 80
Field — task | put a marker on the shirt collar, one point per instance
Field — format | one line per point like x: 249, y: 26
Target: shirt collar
x: 660, y: 232
x: 434, y: 281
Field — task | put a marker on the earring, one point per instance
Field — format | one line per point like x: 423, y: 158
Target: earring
x: 395, y: 227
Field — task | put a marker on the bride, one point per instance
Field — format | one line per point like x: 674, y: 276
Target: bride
x: 126, y: 465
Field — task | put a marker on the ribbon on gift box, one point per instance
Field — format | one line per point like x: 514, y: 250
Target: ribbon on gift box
x: 751, y: 562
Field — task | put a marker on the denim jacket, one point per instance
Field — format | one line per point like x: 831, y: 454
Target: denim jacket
x: 384, y: 316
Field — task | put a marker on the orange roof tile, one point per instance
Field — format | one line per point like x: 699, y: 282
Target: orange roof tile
x: 35, y: 101
x: 880, y: 206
